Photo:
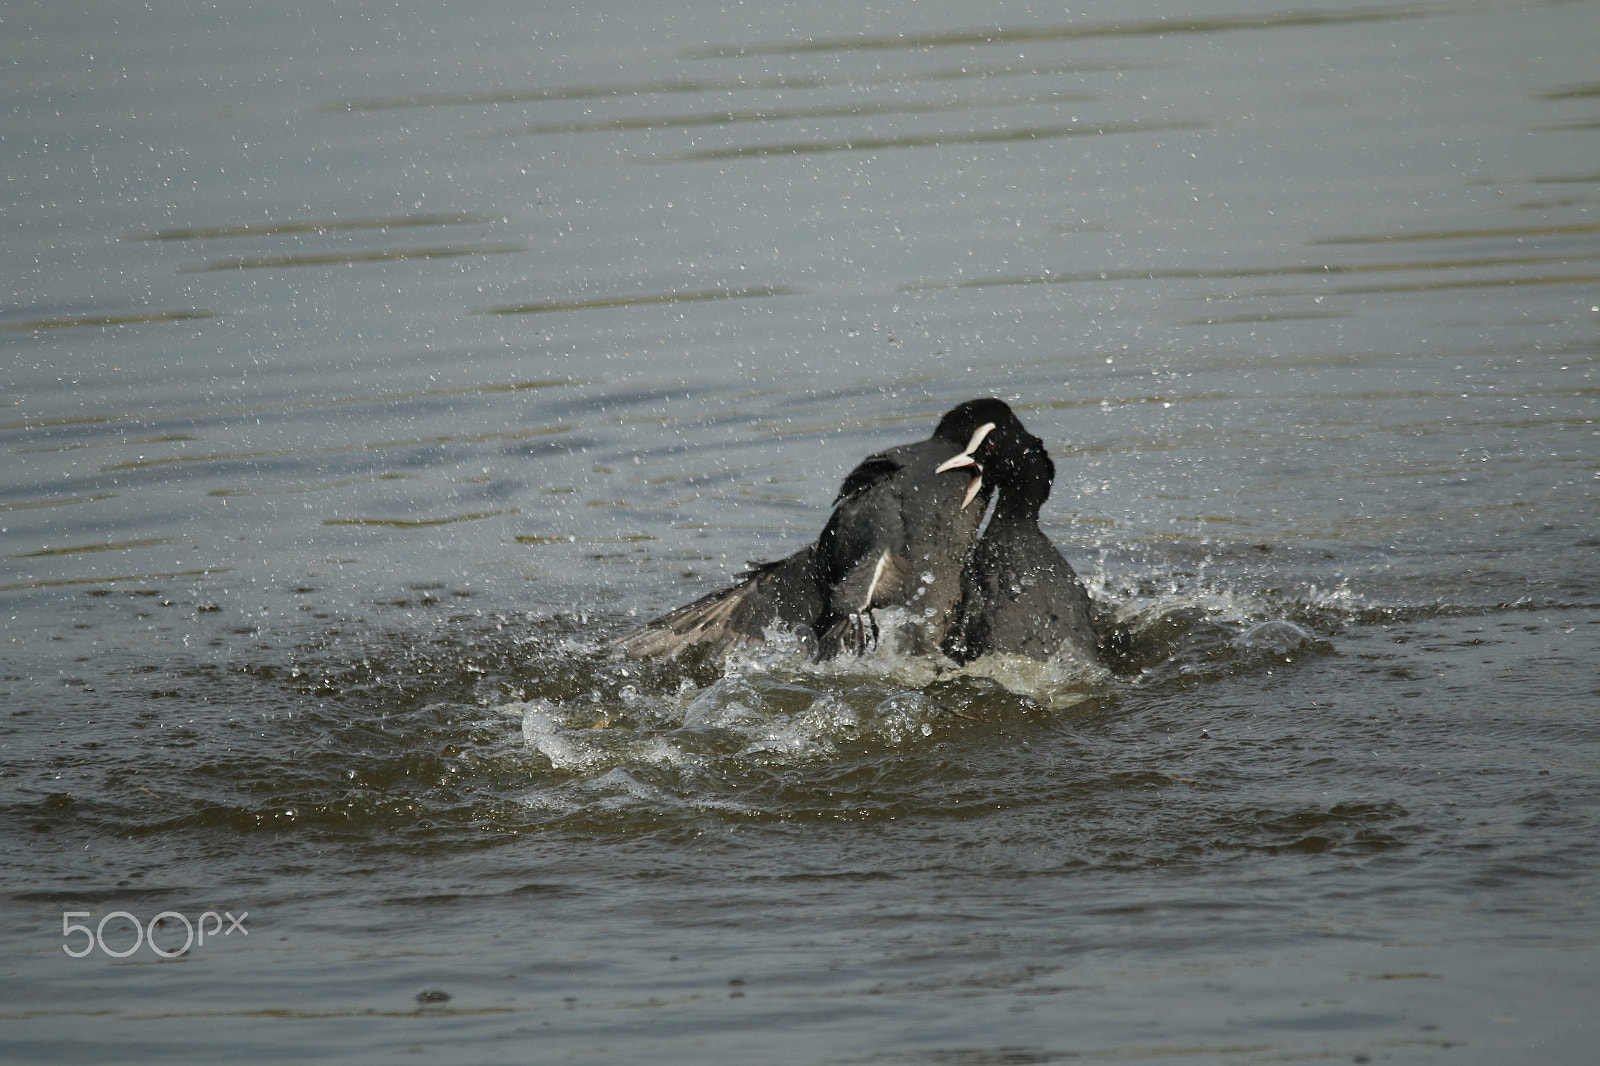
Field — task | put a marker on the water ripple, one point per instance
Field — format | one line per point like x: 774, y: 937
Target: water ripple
x: 929, y: 140
x: 642, y: 300
x: 1013, y: 35
x: 318, y: 226
x: 379, y: 255
x: 730, y: 84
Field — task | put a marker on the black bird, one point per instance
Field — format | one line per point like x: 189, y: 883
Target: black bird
x: 901, y: 528
x: 1019, y: 596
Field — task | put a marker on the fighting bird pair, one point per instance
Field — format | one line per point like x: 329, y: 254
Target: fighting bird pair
x: 908, y: 530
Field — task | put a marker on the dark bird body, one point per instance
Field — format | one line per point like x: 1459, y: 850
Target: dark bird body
x: 899, y: 535
x: 1019, y: 596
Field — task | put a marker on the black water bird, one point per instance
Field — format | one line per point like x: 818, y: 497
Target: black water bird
x: 1019, y: 595
x: 899, y: 535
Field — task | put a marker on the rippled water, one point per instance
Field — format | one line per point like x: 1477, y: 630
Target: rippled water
x: 366, y: 370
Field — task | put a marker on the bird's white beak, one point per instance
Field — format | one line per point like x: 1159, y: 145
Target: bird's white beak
x: 977, y: 437
x: 964, y: 458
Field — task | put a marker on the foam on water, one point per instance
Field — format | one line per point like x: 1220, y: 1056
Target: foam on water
x: 773, y: 704
x: 634, y: 738
x: 1062, y: 681
x: 573, y: 747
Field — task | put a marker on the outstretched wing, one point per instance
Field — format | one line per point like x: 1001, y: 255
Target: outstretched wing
x: 730, y: 618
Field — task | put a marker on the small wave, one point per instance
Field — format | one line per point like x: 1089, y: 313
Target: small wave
x: 635, y: 739
x: 745, y: 717
x: 1276, y: 636
x: 1062, y: 681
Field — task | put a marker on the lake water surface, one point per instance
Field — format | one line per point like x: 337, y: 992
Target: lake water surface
x: 366, y: 367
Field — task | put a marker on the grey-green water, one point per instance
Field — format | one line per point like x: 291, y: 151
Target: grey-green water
x: 366, y: 368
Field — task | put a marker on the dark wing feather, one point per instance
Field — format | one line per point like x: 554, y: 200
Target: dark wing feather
x: 730, y: 618
x: 869, y: 472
